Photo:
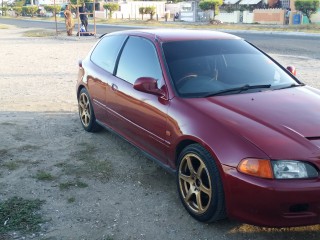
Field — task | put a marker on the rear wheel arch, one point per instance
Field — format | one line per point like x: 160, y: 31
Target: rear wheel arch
x: 86, y: 111
x: 79, y: 90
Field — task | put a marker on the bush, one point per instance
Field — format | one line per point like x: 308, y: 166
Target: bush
x: 29, y: 10
x: 52, y: 8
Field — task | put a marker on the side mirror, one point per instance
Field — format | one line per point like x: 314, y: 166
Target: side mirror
x: 292, y: 70
x: 148, y: 85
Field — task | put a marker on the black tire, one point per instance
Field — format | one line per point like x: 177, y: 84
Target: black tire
x: 86, y: 113
x: 199, y: 184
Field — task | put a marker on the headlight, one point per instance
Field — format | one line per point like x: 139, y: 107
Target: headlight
x: 278, y: 169
x: 284, y: 169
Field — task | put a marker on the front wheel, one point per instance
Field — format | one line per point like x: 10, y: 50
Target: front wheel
x: 199, y: 184
x: 86, y: 113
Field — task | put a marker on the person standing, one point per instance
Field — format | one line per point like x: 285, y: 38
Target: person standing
x: 83, y: 16
x: 68, y: 20
x: 287, y: 16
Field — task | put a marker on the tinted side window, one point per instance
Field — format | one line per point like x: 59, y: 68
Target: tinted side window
x: 139, y: 59
x: 106, y: 52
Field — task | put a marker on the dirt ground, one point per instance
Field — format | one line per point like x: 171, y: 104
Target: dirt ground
x: 100, y: 187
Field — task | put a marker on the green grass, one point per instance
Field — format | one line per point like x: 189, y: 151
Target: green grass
x: 11, y: 165
x: 18, y: 214
x: 92, y: 169
x: 87, y: 152
x: 44, y: 176
x: 8, y: 124
x: 70, y: 184
x: 71, y: 200
x: 28, y: 147
x: 3, y: 26
x: 87, y: 165
x: 315, y: 28
x: 39, y: 33
x: 3, y: 152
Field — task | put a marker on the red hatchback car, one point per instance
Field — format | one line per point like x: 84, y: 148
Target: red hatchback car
x: 240, y: 132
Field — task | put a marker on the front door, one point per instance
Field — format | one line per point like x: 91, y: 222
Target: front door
x: 141, y: 117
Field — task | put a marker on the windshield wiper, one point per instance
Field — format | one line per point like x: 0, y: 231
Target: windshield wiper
x: 291, y: 86
x: 239, y: 89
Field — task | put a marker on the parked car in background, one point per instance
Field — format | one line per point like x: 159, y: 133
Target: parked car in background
x: 240, y: 132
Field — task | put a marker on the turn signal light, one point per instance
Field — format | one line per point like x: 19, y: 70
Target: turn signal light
x: 256, y: 167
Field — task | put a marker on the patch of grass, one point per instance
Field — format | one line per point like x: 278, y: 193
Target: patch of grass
x: 29, y: 147
x: 11, y: 165
x: 44, y: 176
x: 71, y: 200
x: 18, y: 214
x: 315, y: 28
x: 3, y: 26
x: 3, y: 152
x: 70, y: 184
x: 38, y: 33
x: 86, y: 152
x: 87, y: 165
x: 108, y: 238
x: 8, y: 124
x: 93, y: 169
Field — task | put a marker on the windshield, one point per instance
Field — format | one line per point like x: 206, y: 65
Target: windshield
x: 202, y: 68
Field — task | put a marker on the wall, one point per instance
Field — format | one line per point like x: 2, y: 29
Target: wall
x: 247, y: 17
x: 315, y: 18
x: 173, y: 8
x: 269, y: 16
x: 131, y: 10
x: 233, y: 17
x: 187, y: 16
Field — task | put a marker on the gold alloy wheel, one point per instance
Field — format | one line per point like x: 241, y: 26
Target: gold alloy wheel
x: 195, y: 183
x: 84, y: 109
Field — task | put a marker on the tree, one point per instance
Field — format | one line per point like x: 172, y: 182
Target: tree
x: 214, y: 5
x: 17, y: 10
x: 19, y: 3
x: 307, y: 7
x: 79, y: 2
x: 111, y: 7
x: 151, y: 11
x: 142, y: 11
x: 4, y: 10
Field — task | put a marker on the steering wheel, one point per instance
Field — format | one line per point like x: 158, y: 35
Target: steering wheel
x: 182, y: 81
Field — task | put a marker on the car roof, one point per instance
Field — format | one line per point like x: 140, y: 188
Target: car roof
x: 168, y: 35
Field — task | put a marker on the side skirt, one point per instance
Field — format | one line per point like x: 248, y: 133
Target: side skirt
x: 155, y: 160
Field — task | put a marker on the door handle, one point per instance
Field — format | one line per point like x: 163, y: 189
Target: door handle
x: 114, y: 87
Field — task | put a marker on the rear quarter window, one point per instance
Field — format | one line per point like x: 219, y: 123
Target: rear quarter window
x: 106, y: 51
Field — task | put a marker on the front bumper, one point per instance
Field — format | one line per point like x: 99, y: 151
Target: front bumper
x: 272, y: 203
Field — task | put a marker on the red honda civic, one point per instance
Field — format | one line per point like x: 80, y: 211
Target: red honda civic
x: 240, y: 132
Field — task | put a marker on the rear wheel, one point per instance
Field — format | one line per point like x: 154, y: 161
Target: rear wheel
x: 199, y: 184
x: 87, y: 117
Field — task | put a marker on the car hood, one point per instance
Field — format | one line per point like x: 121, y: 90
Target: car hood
x: 285, y: 124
